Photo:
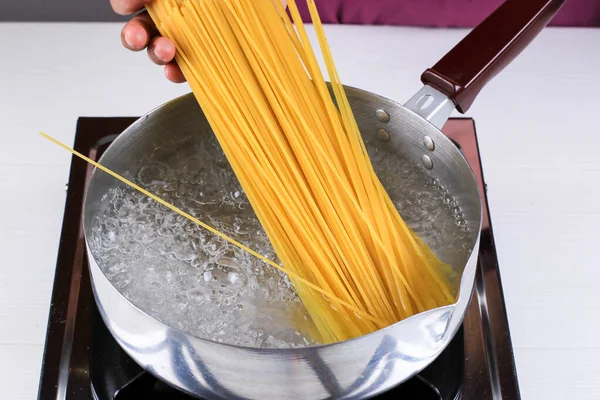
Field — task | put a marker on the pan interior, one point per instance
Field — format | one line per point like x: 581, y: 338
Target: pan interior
x: 179, y: 273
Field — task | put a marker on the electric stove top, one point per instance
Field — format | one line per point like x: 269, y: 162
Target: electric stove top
x: 83, y: 361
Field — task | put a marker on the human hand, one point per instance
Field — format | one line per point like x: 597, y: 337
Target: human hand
x: 140, y: 33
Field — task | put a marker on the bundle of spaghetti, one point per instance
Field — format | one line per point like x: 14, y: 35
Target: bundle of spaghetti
x: 299, y: 156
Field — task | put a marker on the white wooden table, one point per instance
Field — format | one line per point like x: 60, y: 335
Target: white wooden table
x: 539, y: 138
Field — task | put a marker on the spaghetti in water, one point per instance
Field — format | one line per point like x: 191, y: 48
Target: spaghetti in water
x: 299, y: 156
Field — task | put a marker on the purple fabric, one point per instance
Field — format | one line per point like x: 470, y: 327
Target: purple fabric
x: 438, y: 13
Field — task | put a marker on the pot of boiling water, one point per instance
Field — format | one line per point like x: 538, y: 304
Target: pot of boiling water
x: 216, y: 322
x: 212, y: 320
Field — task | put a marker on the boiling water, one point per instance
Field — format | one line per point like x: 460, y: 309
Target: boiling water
x: 179, y: 273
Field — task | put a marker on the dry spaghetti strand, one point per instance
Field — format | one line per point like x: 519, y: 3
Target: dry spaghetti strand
x: 197, y: 221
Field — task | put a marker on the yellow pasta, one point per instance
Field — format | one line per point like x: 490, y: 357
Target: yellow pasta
x: 300, y: 159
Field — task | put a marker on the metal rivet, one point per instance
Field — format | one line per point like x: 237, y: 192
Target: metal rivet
x: 66, y: 187
x: 382, y: 116
x: 383, y: 135
x: 428, y: 142
x: 427, y: 161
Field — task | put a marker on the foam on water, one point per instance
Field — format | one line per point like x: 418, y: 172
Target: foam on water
x: 192, y: 280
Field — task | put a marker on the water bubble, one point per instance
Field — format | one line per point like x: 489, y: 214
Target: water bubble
x: 182, y: 271
x: 234, y: 278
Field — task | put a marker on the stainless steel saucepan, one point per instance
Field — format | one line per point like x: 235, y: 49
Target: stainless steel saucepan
x: 368, y: 365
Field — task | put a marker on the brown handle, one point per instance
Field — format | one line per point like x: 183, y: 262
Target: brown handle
x: 488, y: 48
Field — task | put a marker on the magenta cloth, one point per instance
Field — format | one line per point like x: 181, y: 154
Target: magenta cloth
x: 438, y: 13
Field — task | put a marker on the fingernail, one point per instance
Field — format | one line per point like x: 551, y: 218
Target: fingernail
x: 159, y: 53
x: 164, y: 52
x: 135, y: 39
x: 127, y: 37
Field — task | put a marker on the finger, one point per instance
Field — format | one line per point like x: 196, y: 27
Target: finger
x: 126, y: 7
x: 173, y: 73
x: 161, y: 50
x: 136, y: 33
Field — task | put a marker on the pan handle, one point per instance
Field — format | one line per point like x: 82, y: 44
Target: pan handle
x: 488, y: 48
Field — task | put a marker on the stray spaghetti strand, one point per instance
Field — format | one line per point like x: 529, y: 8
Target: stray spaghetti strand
x: 204, y: 225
